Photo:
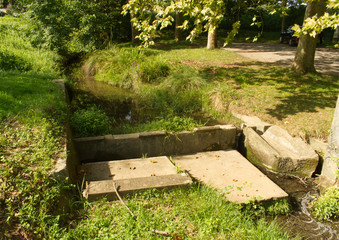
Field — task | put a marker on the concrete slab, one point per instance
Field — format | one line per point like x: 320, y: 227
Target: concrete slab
x: 231, y: 173
x: 127, y: 169
x: 130, y: 176
x: 100, y: 189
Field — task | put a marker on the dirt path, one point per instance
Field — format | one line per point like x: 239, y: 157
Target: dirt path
x: 326, y: 60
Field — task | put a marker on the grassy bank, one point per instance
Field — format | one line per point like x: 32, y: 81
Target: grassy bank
x: 191, y: 82
x: 32, y: 116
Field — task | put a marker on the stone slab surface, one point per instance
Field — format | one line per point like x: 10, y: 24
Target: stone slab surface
x: 127, y: 169
x: 231, y: 173
x: 99, y: 189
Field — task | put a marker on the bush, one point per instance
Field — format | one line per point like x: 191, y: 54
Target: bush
x: 327, y: 205
x: 90, y: 122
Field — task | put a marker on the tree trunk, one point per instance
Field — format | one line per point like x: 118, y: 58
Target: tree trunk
x: 304, y: 57
x: 212, y: 38
x: 336, y: 35
x: 178, y: 31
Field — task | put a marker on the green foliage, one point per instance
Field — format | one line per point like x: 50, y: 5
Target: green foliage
x: 327, y: 205
x: 90, y: 122
x: 127, y: 67
x: 270, y: 208
x: 32, y: 116
x: 16, y: 51
x: 76, y: 27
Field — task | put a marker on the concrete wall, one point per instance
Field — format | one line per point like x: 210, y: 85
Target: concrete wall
x: 126, y: 146
x: 68, y: 166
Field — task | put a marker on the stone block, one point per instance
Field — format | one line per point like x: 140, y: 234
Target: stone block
x: 279, y: 151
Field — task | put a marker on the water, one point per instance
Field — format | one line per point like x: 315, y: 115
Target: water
x: 300, y: 221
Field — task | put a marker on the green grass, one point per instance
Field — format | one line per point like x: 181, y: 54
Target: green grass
x: 195, y: 212
x: 16, y: 51
x: 32, y: 116
x: 326, y: 207
x: 213, y: 83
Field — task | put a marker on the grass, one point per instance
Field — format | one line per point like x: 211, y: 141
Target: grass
x: 199, y: 82
x: 33, y: 138
x: 32, y: 116
x: 195, y: 212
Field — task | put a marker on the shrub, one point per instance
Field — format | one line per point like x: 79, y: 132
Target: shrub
x: 90, y: 122
x: 327, y: 205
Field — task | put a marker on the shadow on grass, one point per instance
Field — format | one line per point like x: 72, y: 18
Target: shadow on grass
x: 295, y: 94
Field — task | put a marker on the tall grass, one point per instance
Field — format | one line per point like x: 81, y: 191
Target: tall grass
x: 17, y: 52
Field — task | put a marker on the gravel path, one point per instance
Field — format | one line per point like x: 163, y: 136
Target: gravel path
x: 326, y: 60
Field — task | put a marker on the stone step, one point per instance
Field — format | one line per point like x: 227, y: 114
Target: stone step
x: 226, y: 170
x: 130, y: 176
x: 232, y: 174
x: 96, y: 190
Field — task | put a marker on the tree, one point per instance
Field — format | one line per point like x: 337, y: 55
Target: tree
x: 304, y: 58
x: 315, y: 21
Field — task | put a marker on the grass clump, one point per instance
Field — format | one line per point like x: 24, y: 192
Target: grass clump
x: 126, y: 67
x: 90, y: 122
x: 327, y: 205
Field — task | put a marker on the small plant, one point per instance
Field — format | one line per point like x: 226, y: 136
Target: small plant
x: 271, y: 208
x: 90, y: 122
x: 327, y: 205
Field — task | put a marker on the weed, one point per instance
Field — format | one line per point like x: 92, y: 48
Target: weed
x: 327, y: 205
x: 90, y: 122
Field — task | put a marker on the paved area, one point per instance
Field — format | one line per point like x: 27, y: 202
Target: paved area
x: 326, y: 60
x: 231, y: 173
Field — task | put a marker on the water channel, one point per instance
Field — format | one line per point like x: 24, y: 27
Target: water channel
x: 122, y: 105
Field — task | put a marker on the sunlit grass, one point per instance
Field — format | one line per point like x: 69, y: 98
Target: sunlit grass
x: 194, y: 212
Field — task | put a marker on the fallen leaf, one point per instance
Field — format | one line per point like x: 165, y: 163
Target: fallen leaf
x: 153, y: 161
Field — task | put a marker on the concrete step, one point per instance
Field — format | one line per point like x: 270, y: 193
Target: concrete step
x: 96, y: 190
x: 227, y: 171
x: 130, y: 176
x: 231, y: 173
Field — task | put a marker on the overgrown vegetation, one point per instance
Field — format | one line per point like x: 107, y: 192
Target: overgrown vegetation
x: 327, y: 205
x: 202, y: 84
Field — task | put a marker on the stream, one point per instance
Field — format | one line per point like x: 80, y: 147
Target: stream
x: 299, y: 221
x: 122, y: 105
